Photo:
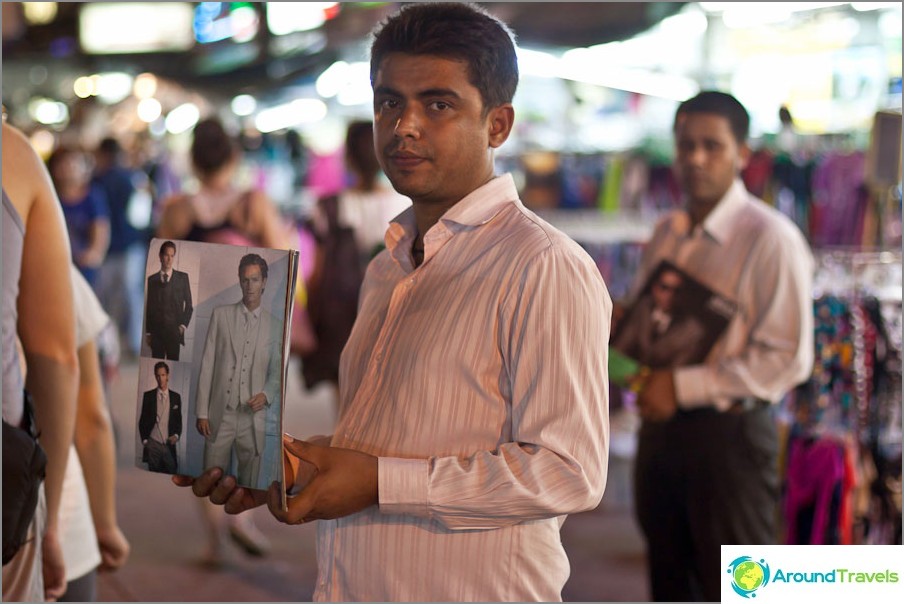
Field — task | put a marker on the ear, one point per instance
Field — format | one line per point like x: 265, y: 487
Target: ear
x: 500, y: 121
x: 744, y: 153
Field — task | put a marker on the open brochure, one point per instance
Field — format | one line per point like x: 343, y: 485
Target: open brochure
x: 674, y: 321
x: 214, y: 358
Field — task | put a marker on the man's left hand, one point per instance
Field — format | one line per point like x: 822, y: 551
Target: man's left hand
x: 222, y: 490
x: 345, y: 482
x: 257, y: 402
x: 656, y: 400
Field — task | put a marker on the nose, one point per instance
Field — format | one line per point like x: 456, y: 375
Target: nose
x: 408, y: 124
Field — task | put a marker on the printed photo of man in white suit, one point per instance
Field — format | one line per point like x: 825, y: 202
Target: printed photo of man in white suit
x: 239, y: 385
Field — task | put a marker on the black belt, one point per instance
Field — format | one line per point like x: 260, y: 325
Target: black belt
x: 748, y: 403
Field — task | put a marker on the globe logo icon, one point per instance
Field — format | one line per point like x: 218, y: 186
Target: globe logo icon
x: 748, y: 575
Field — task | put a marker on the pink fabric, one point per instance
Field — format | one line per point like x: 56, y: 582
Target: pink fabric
x: 815, y: 469
x: 326, y: 174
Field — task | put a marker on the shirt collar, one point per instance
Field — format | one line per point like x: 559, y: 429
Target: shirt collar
x: 475, y: 209
x: 161, y: 391
x: 718, y: 224
x: 256, y: 313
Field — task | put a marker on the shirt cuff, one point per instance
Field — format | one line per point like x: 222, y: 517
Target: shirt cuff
x: 694, y: 389
x: 403, y: 485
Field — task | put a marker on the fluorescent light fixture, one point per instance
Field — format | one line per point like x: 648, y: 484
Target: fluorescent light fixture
x: 182, y: 118
x: 135, y: 27
x: 48, y: 112
x: 149, y: 110
x: 83, y: 87
x: 332, y: 79
x: 296, y: 113
x: 584, y: 65
x: 868, y: 6
x: 243, y: 104
x: 287, y: 17
x: 738, y: 15
x: 113, y: 87
x: 538, y: 63
x: 348, y: 82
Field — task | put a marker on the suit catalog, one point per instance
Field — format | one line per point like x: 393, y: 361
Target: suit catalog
x: 212, y: 372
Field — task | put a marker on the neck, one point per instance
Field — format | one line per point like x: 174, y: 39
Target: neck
x: 698, y: 211
x: 417, y: 250
x: 252, y: 307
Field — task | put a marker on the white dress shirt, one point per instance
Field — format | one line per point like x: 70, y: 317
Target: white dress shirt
x: 756, y: 256
x: 480, y: 381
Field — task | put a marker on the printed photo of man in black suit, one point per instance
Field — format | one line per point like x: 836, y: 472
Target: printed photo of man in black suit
x: 160, y: 423
x: 168, y: 306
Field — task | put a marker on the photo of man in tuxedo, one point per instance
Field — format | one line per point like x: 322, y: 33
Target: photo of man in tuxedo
x: 660, y: 330
x: 238, y: 392
x: 169, y: 307
x: 160, y: 423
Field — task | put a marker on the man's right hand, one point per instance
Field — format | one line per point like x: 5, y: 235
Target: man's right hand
x: 222, y: 490
x: 203, y: 426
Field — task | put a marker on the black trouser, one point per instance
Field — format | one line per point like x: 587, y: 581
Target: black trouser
x: 82, y: 589
x: 165, y: 346
x: 704, y: 479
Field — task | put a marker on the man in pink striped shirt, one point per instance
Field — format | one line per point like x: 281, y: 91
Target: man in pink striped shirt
x: 473, y: 387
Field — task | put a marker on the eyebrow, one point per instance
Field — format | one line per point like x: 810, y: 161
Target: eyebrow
x: 429, y: 92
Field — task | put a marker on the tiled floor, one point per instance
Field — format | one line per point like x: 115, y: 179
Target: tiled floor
x: 162, y: 523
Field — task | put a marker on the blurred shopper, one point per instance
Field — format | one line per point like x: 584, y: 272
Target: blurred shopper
x: 706, y: 466
x: 85, y: 208
x: 121, y: 283
x: 368, y: 204
x: 38, y: 308
x: 222, y: 212
x: 91, y: 537
x: 473, y: 392
x: 349, y: 228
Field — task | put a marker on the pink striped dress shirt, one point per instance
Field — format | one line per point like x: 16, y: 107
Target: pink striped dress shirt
x: 479, y: 379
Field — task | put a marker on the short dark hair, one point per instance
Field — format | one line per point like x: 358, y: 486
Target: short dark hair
x: 160, y: 364
x: 165, y: 245
x: 359, y: 150
x: 453, y: 30
x: 719, y: 103
x: 110, y: 146
x: 211, y: 146
x: 253, y: 260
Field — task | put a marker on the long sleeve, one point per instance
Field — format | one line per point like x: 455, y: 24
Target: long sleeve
x: 148, y: 416
x: 555, y: 353
x: 187, y: 308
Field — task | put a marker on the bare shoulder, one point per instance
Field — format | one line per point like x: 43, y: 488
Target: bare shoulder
x: 23, y: 170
